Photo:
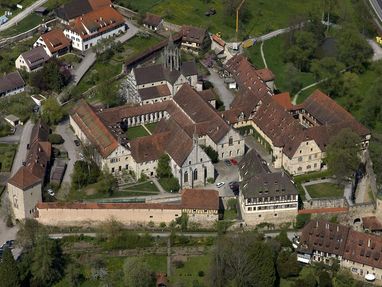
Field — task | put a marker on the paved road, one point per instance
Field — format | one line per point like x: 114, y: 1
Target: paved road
x: 377, y: 7
x: 64, y: 130
x: 22, y: 15
x: 226, y: 174
x: 225, y: 95
x: 22, y: 150
x: 15, y: 138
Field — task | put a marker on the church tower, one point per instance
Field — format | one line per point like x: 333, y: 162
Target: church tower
x: 171, y: 55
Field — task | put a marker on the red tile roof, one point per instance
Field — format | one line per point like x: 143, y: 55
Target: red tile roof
x: 152, y: 20
x: 55, y: 40
x: 97, y: 4
x: 200, y: 199
x: 371, y: 223
x: 266, y: 74
x: 96, y: 22
x: 96, y: 132
x: 91, y: 205
x: 283, y: 100
x: 218, y: 40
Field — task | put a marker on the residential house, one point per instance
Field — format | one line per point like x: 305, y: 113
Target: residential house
x: 326, y: 242
x: 25, y: 186
x: 195, y: 39
x: 152, y: 22
x: 295, y: 135
x: 32, y: 60
x: 11, y: 84
x: 87, y: 30
x: 54, y: 43
x: 265, y: 196
x: 187, y: 117
x: 76, y: 8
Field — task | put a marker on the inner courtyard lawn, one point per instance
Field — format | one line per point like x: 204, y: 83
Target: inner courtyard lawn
x: 136, y: 132
x: 326, y: 189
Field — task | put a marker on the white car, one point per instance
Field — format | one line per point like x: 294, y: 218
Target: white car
x: 220, y: 184
x: 50, y: 192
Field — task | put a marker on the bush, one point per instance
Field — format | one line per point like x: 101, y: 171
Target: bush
x: 302, y: 220
x: 201, y: 273
x: 212, y: 154
x: 178, y: 264
x: 55, y: 139
x: 210, y: 180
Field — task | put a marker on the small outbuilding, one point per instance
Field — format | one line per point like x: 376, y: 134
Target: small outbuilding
x: 12, y: 120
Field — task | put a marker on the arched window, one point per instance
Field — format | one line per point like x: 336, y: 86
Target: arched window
x: 230, y: 141
x: 185, y: 177
x: 195, y: 174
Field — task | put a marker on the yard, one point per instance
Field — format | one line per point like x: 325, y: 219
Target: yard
x: 324, y: 190
x: 7, y: 154
x: 151, y: 127
x: 264, y: 17
x: 194, y: 269
x: 20, y: 105
x: 136, y: 132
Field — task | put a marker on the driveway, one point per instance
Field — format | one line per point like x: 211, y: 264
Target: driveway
x: 15, y: 138
x: 67, y: 134
x: 22, y: 150
x: 252, y: 143
x: 225, y: 95
x: 226, y: 174
x: 22, y: 15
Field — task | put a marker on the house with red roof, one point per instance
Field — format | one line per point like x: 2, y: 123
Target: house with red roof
x: 54, y: 43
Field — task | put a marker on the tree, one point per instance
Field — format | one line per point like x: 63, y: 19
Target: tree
x: 353, y: 49
x: 29, y: 230
x: 47, y: 264
x: 287, y: 265
x: 342, y: 153
x: 51, y: 111
x: 372, y: 111
x: 302, y: 49
x: 137, y: 273
x: 164, y: 169
x: 328, y: 69
x: 55, y: 139
x: 294, y: 83
x: 74, y: 275
x: 302, y: 220
x: 84, y: 173
x: 324, y: 279
x: 9, y: 273
x: 343, y: 278
x: 212, y: 154
x: 282, y: 237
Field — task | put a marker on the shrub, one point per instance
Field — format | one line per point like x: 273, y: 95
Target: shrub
x: 302, y: 220
x: 178, y: 264
x: 55, y: 139
x: 201, y: 273
x: 210, y: 180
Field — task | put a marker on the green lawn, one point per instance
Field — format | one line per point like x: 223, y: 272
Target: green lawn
x: 265, y: 16
x: 145, y: 186
x: 151, y: 127
x: 7, y: 154
x: 230, y: 214
x: 20, y: 105
x: 26, y: 24
x: 166, y: 184
x: 136, y: 132
x: 254, y: 54
x: 189, y: 273
x: 325, y: 190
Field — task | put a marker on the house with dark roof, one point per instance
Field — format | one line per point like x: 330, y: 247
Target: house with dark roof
x: 195, y: 39
x: 32, y: 60
x: 265, y: 196
x: 87, y: 30
x: 160, y: 82
x: 152, y: 22
x: 54, y: 43
x: 296, y: 135
x: 25, y: 186
x: 76, y: 8
x: 187, y: 117
x: 323, y: 241
x: 11, y: 84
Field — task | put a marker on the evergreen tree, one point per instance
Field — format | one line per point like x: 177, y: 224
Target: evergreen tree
x: 9, y: 273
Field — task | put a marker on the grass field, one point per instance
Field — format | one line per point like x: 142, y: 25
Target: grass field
x: 189, y: 273
x: 136, y: 132
x: 7, y: 154
x: 327, y: 189
x: 20, y: 105
x: 26, y: 24
x: 265, y: 15
x: 151, y: 127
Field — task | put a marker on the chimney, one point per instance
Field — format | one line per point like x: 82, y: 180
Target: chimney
x: 368, y: 243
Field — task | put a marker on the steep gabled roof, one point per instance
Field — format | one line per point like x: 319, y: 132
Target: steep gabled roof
x: 152, y: 20
x: 96, y: 132
x: 35, y: 57
x: 204, y: 199
x: 193, y: 34
x: 11, y: 82
x: 55, y: 40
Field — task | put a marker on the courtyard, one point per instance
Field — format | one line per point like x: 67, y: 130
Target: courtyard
x: 325, y: 190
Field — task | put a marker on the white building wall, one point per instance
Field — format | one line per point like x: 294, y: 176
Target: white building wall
x: 21, y: 64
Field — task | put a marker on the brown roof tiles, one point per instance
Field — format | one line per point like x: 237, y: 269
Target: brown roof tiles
x: 55, y: 40
x: 200, y: 199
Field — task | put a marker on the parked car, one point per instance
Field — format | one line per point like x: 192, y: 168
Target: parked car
x: 234, y: 161
x: 220, y: 184
x: 50, y: 192
x: 77, y: 142
x: 9, y: 243
x: 227, y: 162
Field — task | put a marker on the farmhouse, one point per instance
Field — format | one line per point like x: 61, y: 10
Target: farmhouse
x: 325, y: 242
x: 11, y: 84
x: 187, y: 117
x: 54, y: 43
x: 87, y: 30
x: 295, y: 135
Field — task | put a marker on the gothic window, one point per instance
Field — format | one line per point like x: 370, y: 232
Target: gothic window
x: 230, y: 141
x: 185, y: 177
x: 195, y: 174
